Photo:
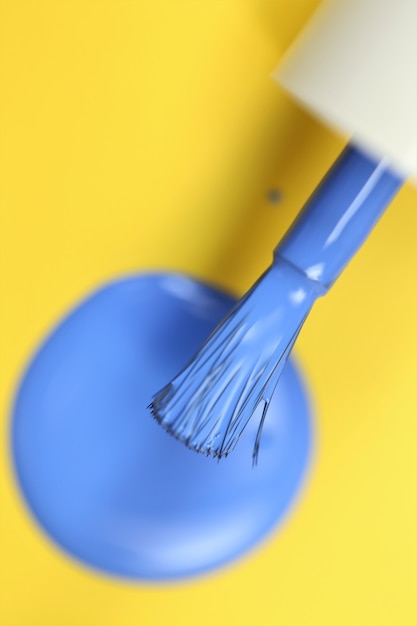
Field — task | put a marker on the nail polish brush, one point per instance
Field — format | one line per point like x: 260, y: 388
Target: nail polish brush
x: 353, y: 66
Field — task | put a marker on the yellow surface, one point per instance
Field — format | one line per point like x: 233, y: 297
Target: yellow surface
x: 146, y: 134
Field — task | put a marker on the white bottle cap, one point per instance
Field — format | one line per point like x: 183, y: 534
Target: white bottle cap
x: 355, y: 67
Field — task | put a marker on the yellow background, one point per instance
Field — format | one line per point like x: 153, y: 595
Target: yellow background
x: 146, y: 134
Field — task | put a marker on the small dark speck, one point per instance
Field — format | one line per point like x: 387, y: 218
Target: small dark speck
x: 274, y: 196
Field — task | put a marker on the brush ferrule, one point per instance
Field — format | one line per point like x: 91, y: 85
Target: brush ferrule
x: 339, y: 216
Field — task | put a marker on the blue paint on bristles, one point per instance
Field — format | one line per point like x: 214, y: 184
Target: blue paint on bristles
x: 208, y: 404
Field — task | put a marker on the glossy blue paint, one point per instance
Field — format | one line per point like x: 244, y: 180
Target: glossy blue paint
x: 339, y: 216
x: 209, y: 403
x: 104, y: 481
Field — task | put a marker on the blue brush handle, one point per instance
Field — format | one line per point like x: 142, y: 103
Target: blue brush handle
x: 339, y: 216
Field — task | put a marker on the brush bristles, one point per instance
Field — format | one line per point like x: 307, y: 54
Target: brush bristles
x: 209, y: 403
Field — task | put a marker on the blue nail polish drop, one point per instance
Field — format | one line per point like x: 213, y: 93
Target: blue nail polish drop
x: 108, y: 484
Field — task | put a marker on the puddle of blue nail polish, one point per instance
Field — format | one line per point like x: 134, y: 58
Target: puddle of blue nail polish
x: 108, y: 484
